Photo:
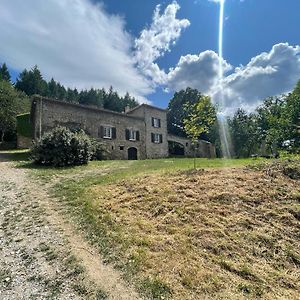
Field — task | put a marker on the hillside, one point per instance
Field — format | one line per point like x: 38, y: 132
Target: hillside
x: 220, y: 233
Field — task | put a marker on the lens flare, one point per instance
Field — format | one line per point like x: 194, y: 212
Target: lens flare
x: 224, y: 131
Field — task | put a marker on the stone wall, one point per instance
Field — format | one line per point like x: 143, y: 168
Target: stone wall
x: 23, y: 142
x: 203, y: 148
x: 153, y: 150
x: 51, y: 113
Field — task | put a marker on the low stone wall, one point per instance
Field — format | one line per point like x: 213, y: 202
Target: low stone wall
x: 203, y: 148
x: 23, y: 142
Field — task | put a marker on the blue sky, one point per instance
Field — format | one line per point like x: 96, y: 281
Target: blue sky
x: 87, y: 43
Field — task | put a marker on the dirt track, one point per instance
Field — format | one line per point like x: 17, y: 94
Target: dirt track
x: 42, y: 256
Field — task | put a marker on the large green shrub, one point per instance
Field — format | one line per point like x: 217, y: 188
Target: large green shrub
x: 62, y: 147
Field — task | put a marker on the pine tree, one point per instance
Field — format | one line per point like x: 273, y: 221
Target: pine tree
x: 4, y: 73
x: 52, y: 89
x: 31, y: 82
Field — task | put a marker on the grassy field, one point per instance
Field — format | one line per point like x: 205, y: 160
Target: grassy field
x: 224, y: 231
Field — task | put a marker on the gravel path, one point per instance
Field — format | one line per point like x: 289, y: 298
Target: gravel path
x: 42, y: 256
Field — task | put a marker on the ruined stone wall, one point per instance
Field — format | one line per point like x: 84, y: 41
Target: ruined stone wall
x: 50, y: 113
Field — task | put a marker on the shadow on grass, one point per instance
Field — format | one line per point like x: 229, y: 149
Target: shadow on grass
x: 14, y: 155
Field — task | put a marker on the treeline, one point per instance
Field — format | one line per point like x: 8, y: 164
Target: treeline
x: 12, y: 103
x: 273, y: 126
x: 31, y: 82
x: 14, y: 97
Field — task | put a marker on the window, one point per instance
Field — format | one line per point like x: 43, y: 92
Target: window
x: 155, y: 122
x: 156, y: 138
x: 121, y: 147
x: 132, y: 135
x: 107, y: 132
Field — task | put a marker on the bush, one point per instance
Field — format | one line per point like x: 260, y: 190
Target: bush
x: 62, y: 147
x: 98, y: 150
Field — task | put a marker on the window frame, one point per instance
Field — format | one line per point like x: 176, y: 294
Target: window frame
x: 132, y: 135
x: 156, y: 122
x: 110, y: 129
x: 158, y: 140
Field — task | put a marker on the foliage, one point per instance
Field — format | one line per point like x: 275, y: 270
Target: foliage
x: 62, y: 147
x: 176, y: 112
x: 12, y: 103
x: 270, y: 123
x: 98, y: 150
x: 4, y: 73
x: 201, y: 116
x: 24, y: 127
x: 31, y: 82
x: 244, y: 133
x: 274, y: 126
x: 291, y: 114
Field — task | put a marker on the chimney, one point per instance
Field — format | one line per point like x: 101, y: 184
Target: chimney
x: 127, y: 109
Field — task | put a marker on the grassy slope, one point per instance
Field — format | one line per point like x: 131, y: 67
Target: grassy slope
x: 227, y: 233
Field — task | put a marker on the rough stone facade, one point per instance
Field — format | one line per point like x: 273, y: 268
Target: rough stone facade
x: 23, y: 142
x: 202, y: 148
x: 139, y: 133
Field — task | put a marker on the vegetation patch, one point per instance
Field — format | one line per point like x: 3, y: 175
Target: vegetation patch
x: 226, y: 233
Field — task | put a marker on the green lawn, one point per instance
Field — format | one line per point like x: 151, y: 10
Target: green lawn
x: 113, y: 170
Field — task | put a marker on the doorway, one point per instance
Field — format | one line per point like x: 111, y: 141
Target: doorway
x: 132, y: 153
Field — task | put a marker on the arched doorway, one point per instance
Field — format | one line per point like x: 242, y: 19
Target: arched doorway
x: 132, y: 153
x: 176, y: 149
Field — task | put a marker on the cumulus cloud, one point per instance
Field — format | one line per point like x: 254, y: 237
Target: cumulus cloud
x: 196, y: 71
x: 156, y: 40
x: 267, y: 74
x: 74, y: 41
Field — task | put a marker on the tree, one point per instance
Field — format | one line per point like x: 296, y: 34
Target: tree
x: 271, y: 125
x: 4, y: 73
x: 291, y: 114
x: 176, y: 112
x: 52, y: 89
x: 12, y: 103
x: 243, y: 131
x: 32, y: 82
x: 200, y: 117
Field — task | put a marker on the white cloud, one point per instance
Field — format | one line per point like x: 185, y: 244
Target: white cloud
x: 81, y: 45
x: 74, y: 41
x: 156, y: 40
x: 268, y: 74
x: 196, y: 71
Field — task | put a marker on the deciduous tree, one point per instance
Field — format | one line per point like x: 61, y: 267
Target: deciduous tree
x: 200, y: 117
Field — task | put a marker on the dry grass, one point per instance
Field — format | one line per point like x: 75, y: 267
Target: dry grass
x: 207, y: 234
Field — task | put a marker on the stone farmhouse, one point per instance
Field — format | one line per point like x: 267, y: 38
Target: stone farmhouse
x: 139, y: 133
